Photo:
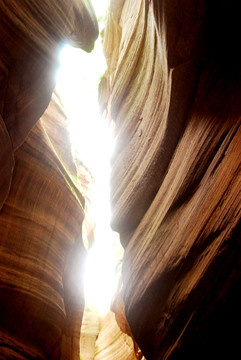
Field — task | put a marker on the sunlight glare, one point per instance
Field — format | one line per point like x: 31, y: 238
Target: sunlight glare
x: 77, y: 85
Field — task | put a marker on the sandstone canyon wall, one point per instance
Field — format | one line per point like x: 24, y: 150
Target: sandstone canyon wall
x: 41, y: 303
x: 173, y: 90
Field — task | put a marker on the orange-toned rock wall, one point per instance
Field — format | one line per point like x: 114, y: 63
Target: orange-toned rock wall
x: 40, y: 228
x: 41, y: 300
x: 32, y: 34
x: 173, y: 90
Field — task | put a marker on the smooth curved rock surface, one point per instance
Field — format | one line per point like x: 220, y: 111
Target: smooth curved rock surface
x: 41, y: 248
x: 31, y: 36
x: 173, y: 90
x: 112, y: 343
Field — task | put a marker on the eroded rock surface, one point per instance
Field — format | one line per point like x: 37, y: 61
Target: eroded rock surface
x: 32, y: 34
x: 41, y: 298
x: 173, y: 89
x: 39, y: 244
x: 112, y: 343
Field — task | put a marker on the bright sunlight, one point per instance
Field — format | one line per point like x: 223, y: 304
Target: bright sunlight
x: 77, y: 85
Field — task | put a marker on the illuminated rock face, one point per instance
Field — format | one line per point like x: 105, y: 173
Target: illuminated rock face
x: 32, y: 34
x: 41, y: 302
x: 38, y: 295
x: 173, y: 89
x: 112, y: 343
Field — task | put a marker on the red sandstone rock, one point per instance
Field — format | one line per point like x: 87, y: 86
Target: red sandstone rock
x: 174, y: 90
x: 41, y: 302
x: 37, y: 239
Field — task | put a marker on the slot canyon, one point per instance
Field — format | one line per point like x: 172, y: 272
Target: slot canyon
x: 172, y: 92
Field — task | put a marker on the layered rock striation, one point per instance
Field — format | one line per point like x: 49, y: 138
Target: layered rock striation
x: 112, y: 343
x: 32, y: 35
x: 41, y: 298
x: 173, y: 90
x: 41, y: 304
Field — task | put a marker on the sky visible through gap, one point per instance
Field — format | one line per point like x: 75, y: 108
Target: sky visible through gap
x: 77, y: 85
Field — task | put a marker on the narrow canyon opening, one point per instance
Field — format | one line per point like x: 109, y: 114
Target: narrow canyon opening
x: 92, y: 142
x: 172, y: 89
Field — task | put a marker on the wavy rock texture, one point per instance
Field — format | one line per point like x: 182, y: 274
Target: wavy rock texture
x: 32, y: 34
x: 112, y: 343
x: 41, y: 298
x: 173, y: 89
x: 107, y: 336
x: 40, y: 302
